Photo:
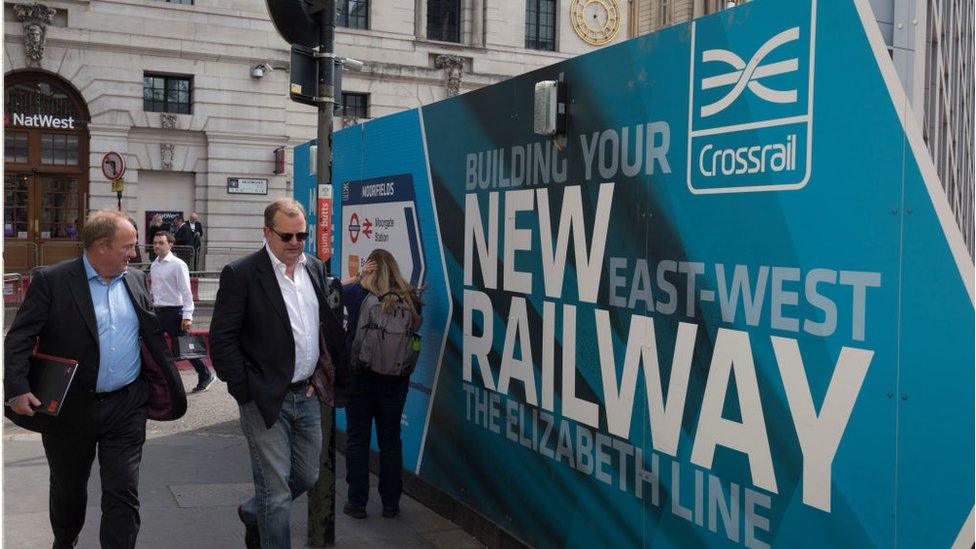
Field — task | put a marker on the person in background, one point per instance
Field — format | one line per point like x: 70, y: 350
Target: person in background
x: 184, y: 239
x: 138, y: 257
x: 375, y: 397
x: 173, y: 299
x: 197, y: 227
x: 155, y: 226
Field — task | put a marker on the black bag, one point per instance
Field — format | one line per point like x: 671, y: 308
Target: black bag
x: 189, y: 346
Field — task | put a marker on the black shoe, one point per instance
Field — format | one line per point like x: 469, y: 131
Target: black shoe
x: 390, y: 512
x: 353, y: 511
x: 204, y: 385
x: 252, y: 537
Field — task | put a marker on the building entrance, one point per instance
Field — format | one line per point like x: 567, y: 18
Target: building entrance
x: 46, y: 162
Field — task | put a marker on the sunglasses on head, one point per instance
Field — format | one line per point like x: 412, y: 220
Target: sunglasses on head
x: 286, y: 237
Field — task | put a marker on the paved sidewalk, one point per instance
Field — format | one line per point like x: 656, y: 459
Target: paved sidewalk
x: 194, y: 474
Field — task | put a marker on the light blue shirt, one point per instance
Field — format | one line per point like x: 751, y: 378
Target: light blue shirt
x: 118, y: 331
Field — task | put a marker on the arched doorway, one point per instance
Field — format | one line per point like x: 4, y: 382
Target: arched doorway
x: 45, y: 182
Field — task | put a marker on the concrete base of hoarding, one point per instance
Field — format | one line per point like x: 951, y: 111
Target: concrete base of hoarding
x: 442, y: 503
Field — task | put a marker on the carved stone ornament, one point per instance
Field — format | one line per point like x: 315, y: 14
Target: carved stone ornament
x: 453, y: 69
x: 166, y: 155
x: 35, y: 18
x: 167, y: 121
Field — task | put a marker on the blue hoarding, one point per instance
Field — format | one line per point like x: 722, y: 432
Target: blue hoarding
x: 729, y: 307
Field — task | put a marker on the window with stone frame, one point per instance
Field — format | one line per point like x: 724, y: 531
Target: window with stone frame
x: 352, y: 14
x: 540, y: 25
x: 355, y: 105
x: 167, y: 93
x: 444, y: 20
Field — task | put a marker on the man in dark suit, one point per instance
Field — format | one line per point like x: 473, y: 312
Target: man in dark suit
x: 197, y: 227
x: 94, y: 309
x: 269, y: 322
x: 184, y: 240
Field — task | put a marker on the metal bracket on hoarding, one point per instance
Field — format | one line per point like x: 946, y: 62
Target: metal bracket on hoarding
x: 320, y: 54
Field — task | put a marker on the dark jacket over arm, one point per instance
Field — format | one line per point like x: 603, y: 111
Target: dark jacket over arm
x: 226, y: 328
x: 184, y: 235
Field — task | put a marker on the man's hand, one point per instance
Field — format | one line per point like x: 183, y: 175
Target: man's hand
x: 187, y: 325
x: 22, y: 404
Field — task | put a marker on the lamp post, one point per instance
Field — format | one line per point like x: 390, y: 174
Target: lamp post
x: 321, y: 498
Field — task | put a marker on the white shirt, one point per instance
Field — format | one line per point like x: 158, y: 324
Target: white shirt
x: 170, y: 280
x: 303, y: 314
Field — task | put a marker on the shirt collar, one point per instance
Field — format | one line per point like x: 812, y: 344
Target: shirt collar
x: 169, y: 257
x: 280, y: 265
x: 90, y: 272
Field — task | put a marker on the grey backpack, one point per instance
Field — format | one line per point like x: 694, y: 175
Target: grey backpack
x: 385, y: 343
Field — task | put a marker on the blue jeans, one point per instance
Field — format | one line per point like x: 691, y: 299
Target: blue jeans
x: 379, y: 398
x: 284, y: 462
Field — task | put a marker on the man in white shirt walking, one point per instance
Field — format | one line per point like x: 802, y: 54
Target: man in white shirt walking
x: 173, y: 299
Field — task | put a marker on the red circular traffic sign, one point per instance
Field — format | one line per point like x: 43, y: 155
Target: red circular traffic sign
x: 113, y: 165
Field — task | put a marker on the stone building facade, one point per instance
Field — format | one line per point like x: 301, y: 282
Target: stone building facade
x: 193, y: 94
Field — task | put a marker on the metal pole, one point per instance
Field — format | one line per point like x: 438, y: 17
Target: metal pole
x: 321, y: 499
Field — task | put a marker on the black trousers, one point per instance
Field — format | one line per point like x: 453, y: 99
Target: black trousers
x: 379, y: 399
x: 114, y: 427
x: 171, y: 319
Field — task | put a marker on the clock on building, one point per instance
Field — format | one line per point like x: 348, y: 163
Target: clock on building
x: 596, y: 21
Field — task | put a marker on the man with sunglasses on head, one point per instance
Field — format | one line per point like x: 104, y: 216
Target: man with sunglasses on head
x: 265, y: 343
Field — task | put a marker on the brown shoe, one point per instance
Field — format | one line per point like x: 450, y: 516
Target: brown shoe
x: 353, y: 511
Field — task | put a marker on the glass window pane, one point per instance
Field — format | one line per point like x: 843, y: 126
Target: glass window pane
x: 166, y: 94
x: 72, y: 156
x: 443, y: 18
x: 59, y: 207
x: 15, y: 147
x: 15, y: 204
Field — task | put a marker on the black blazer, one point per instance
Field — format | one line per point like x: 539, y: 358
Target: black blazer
x: 197, y: 228
x: 59, y: 316
x: 251, y: 342
x: 184, y: 235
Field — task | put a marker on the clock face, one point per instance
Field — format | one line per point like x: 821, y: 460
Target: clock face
x: 596, y: 21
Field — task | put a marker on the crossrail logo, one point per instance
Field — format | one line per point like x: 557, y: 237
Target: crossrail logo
x: 750, y: 116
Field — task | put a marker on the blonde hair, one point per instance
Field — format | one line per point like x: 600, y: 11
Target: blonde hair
x: 386, y: 278
x: 101, y: 224
x: 156, y: 220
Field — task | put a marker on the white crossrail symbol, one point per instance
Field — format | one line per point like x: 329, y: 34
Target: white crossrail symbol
x: 746, y: 75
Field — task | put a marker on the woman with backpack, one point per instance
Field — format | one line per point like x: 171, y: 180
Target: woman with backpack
x: 378, y: 301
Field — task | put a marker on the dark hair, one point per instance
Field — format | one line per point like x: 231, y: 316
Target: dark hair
x: 169, y: 236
